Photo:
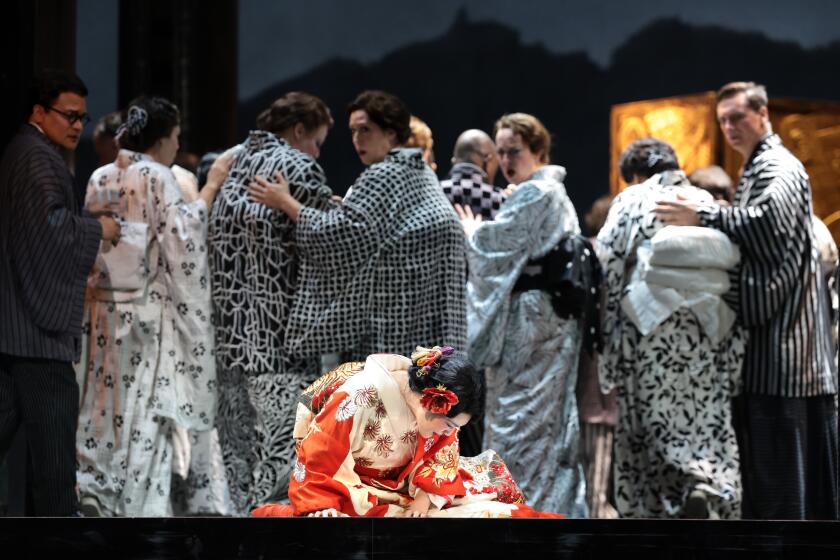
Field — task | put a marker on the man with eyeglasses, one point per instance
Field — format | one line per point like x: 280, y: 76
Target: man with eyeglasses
x: 474, y: 167
x: 786, y: 418
x: 48, y: 245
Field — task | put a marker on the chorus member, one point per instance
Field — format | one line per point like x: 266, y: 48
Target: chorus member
x: 671, y: 349
x: 385, y: 270
x: 48, y: 245
x: 787, y: 416
x: 254, y: 261
x: 147, y: 356
x: 530, y: 353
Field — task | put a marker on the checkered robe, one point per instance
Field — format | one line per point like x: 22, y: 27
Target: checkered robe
x: 383, y: 272
x: 467, y: 185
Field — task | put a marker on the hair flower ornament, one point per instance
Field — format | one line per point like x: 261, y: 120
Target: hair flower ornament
x: 427, y: 358
x: 135, y: 122
x: 438, y: 400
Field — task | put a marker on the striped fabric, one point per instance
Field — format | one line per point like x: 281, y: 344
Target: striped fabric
x: 778, y: 289
x: 47, y: 247
x: 596, y: 445
x: 43, y: 396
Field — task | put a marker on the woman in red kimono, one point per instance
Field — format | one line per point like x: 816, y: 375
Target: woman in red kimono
x: 380, y: 439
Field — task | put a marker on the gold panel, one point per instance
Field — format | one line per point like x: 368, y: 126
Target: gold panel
x: 810, y: 129
x: 687, y: 123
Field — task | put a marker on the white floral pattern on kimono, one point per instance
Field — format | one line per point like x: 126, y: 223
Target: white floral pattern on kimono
x: 674, y: 431
x: 147, y: 359
x: 530, y: 353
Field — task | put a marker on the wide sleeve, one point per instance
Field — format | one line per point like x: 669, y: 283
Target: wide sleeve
x: 616, y: 240
x: 337, y: 251
x: 324, y: 473
x: 773, y: 234
x: 186, y: 384
x: 497, y: 251
x: 439, y: 473
x: 53, y: 247
x: 348, y: 233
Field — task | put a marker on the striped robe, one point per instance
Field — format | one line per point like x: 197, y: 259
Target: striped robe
x: 47, y: 248
x: 779, y: 286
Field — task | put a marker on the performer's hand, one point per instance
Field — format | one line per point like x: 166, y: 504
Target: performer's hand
x: 220, y: 169
x: 110, y: 229
x: 273, y: 195
x: 331, y: 512
x: 468, y: 220
x: 679, y: 212
x: 419, y: 507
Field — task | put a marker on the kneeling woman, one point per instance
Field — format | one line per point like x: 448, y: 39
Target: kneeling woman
x: 385, y: 443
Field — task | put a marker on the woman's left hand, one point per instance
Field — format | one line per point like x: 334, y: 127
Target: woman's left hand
x: 273, y: 195
x: 468, y: 220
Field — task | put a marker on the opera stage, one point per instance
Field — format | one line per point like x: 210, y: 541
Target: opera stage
x: 415, y: 538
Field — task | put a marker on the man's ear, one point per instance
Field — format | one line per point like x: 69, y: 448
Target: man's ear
x: 765, y: 114
x: 38, y: 113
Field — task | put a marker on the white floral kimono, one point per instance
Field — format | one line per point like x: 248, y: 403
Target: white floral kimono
x: 147, y: 358
x: 362, y: 454
x: 530, y: 353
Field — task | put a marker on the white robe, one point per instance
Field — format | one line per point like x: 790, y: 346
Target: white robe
x: 147, y: 358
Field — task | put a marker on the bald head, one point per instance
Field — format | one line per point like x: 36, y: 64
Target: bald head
x: 475, y: 146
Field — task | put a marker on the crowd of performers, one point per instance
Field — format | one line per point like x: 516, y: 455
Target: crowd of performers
x: 165, y: 347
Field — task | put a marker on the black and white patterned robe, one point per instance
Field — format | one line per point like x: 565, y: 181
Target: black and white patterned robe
x: 674, y: 431
x: 383, y: 272
x: 254, y: 277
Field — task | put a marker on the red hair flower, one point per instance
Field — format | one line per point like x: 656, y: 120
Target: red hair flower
x: 438, y: 400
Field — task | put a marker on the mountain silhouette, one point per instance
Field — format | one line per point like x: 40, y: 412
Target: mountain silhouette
x: 477, y: 71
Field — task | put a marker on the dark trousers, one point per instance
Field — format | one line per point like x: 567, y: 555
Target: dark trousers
x: 788, y: 449
x: 43, y: 396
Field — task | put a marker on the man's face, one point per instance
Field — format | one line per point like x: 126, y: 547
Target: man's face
x: 55, y: 120
x: 742, y: 125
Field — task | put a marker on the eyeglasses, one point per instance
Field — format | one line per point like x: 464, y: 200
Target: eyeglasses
x: 510, y: 152
x: 72, y: 116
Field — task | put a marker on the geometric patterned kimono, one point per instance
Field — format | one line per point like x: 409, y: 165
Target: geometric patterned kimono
x: 675, y: 384
x: 531, y: 354
x: 384, y: 271
x: 147, y: 357
x: 254, y: 281
x: 363, y: 456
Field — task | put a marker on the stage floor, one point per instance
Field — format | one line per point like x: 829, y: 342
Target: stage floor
x: 519, y: 539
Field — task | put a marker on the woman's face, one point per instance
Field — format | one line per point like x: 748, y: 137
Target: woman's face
x: 372, y: 143
x: 168, y: 148
x: 516, y: 159
x: 429, y: 424
x: 309, y: 142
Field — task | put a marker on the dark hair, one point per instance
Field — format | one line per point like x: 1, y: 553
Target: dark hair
x: 595, y: 218
x: 161, y: 116
x: 108, y: 125
x: 647, y: 157
x: 714, y: 180
x: 293, y: 108
x: 533, y: 132
x: 204, y: 165
x: 386, y: 110
x: 756, y: 93
x: 459, y: 376
x: 48, y: 84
